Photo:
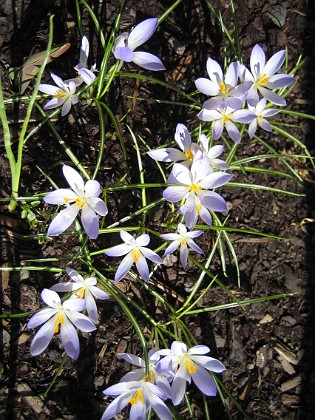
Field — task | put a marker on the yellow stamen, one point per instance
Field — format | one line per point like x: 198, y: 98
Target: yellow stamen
x: 198, y: 207
x: 223, y: 88
x: 189, y: 155
x: 183, y: 241
x: 150, y: 377
x: 80, y: 202
x: 263, y: 80
x: 66, y: 200
x: 190, y: 366
x: 226, y: 118
x: 137, y: 397
x: 195, y: 188
x: 60, y: 320
x: 60, y: 94
x: 80, y: 293
x: 135, y: 253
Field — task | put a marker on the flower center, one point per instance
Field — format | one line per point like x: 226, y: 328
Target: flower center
x: 198, y: 207
x: 226, y: 118
x: 195, y: 188
x: 135, y: 253
x: 150, y: 377
x: 223, y: 88
x: 80, y: 202
x: 263, y: 80
x: 60, y: 320
x: 137, y: 398
x: 80, y: 293
x: 189, y: 155
x: 60, y: 94
x: 183, y: 241
x: 191, y: 368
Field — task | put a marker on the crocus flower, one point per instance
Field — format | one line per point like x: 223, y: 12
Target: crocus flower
x: 82, y: 197
x: 213, y: 153
x: 137, y: 252
x: 190, y: 365
x: 65, y: 315
x: 263, y: 76
x: 193, y: 186
x: 63, y: 94
x: 153, y: 375
x: 141, y: 395
x: 226, y: 117
x: 83, y: 288
x: 182, y: 239
x: 84, y: 74
x: 224, y: 90
x: 261, y: 114
x: 169, y: 154
x: 125, y: 45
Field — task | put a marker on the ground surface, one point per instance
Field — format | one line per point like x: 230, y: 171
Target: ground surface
x: 268, y: 348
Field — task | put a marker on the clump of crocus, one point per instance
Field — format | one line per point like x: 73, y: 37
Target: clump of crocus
x: 83, y: 197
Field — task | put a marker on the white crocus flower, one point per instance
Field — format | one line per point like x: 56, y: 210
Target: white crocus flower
x: 213, y: 153
x: 153, y: 375
x: 63, y: 94
x: 84, y: 74
x: 224, y: 89
x: 226, y: 117
x: 182, y: 239
x: 190, y: 365
x: 125, y: 45
x: 65, y: 316
x: 193, y: 185
x: 169, y: 154
x: 82, y: 197
x: 261, y: 114
x: 137, y: 252
x: 141, y: 395
x: 263, y: 76
x: 83, y: 288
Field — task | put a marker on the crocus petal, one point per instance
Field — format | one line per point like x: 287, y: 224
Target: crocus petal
x: 66, y: 107
x: 214, y: 180
x: 257, y: 60
x: 194, y: 246
x: 233, y: 131
x: 231, y: 75
x: 214, y: 71
x: 54, y: 103
x: 65, y: 287
x: 48, y: 89
x: 138, y: 411
x: 124, y: 54
x: 98, y: 293
x: 74, y: 179
x: 98, y: 205
x: 51, y: 298
x: 243, y: 116
x: 142, y: 267
x: 59, y: 196
x: 142, y: 32
x: 118, y: 250
x: 264, y: 124
x: 159, y: 407
x: 124, y: 267
x: 143, y: 240
x: 207, y: 87
x: 217, y: 129
x: 74, y: 305
x: 274, y: 63
x: 91, y: 306
x: 59, y: 82
x: 213, y: 201
x: 70, y: 339
x: 151, y: 255
x: 179, y: 385
x: 117, y: 405
x: 209, y: 363
x: 131, y: 358
x: 199, y: 349
x: 279, y: 81
x: 63, y: 220
x: 171, y: 236
x: 272, y: 96
x: 205, y: 216
x: 40, y: 317
x: 174, y: 194
x: 183, y: 254
x: 172, y: 247
x: 87, y: 76
x: 204, y: 381
x: 84, y: 50
x: 90, y: 222
x: 167, y: 154
x: 147, y: 61
x: 81, y: 321
x: 270, y: 112
x: 252, y: 97
x: 127, y: 238
x: 92, y: 188
x: 252, y: 128
x: 42, y: 337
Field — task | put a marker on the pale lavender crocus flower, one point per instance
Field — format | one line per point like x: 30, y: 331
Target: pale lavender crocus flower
x: 261, y: 114
x: 190, y: 364
x: 263, y: 76
x: 184, y: 241
x: 169, y: 154
x: 84, y: 74
x: 224, y: 89
x: 65, y: 316
x: 161, y: 380
x: 137, y: 252
x: 63, y: 94
x: 82, y: 197
x: 125, y: 45
x: 192, y: 186
x: 82, y: 288
x: 141, y: 395
x: 226, y: 117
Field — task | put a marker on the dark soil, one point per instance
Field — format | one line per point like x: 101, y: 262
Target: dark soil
x: 268, y: 348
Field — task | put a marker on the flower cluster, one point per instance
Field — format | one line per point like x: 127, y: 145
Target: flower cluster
x: 224, y: 107
x: 166, y: 379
